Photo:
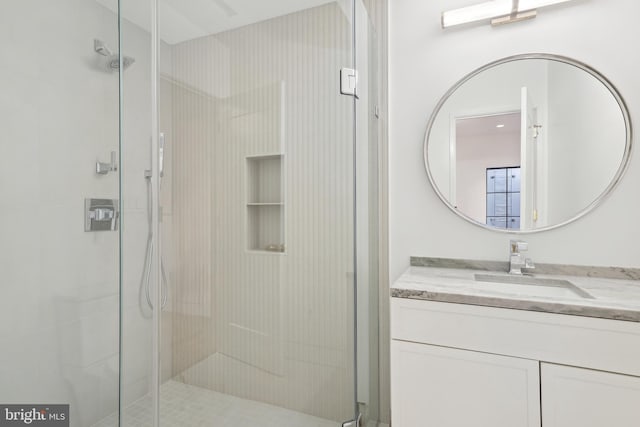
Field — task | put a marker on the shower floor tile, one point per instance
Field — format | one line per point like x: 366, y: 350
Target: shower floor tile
x: 183, y: 405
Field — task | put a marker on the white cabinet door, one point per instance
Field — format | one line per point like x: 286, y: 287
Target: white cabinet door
x: 442, y: 387
x: 576, y: 397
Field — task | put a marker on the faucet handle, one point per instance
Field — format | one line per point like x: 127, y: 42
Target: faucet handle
x: 528, y: 263
x: 518, y: 246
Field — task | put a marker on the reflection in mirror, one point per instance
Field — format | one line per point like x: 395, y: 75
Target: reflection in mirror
x: 527, y: 143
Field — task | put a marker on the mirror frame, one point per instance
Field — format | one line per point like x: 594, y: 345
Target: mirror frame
x: 552, y: 57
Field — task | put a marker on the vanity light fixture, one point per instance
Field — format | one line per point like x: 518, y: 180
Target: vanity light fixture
x: 498, y: 11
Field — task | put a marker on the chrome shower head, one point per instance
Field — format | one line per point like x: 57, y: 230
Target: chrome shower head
x: 113, y: 59
x: 114, y: 62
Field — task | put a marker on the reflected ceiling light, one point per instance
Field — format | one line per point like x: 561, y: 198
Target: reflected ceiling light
x: 498, y: 11
x: 499, y: 126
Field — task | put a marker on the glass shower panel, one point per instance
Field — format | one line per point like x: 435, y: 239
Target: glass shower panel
x: 59, y: 303
x: 258, y: 213
x: 138, y: 278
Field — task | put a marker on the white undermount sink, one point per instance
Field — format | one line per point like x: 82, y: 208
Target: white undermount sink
x: 529, y: 285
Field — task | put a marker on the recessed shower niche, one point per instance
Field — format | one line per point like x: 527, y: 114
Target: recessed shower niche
x: 265, y: 203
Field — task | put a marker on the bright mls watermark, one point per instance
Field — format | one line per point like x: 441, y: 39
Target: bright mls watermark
x: 34, y: 415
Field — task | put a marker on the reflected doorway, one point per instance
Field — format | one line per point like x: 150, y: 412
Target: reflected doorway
x: 485, y: 154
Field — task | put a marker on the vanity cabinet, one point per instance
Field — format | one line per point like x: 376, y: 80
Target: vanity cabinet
x: 456, y: 365
x: 587, y: 398
x: 439, y: 386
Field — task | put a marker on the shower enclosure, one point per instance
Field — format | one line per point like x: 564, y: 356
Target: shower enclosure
x: 189, y: 211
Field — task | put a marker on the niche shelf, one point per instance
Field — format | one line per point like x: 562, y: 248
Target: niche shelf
x: 265, y: 204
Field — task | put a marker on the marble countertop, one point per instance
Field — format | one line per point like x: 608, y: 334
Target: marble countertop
x: 608, y: 298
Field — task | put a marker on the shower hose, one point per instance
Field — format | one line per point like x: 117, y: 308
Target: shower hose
x: 148, y: 257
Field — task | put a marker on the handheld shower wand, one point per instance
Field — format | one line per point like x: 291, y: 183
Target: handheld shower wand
x: 146, y: 272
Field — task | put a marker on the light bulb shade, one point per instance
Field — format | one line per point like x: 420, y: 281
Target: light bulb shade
x: 491, y: 9
x: 535, y: 4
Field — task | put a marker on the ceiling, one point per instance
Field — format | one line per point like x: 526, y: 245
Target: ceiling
x: 486, y: 125
x: 182, y: 20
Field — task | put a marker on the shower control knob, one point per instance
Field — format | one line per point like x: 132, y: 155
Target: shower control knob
x: 101, y: 214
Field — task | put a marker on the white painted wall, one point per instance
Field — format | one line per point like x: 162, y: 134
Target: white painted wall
x: 585, y: 140
x: 425, y: 61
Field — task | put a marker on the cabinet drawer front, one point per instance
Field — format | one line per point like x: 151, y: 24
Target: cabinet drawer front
x: 442, y: 387
x: 582, y: 397
x: 606, y: 345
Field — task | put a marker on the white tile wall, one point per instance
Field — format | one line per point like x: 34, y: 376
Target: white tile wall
x: 58, y: 114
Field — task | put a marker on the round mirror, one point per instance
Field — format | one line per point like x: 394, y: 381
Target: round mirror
x: 527, y: 143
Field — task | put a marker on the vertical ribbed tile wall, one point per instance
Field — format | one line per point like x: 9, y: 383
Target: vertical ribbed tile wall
x: 272, y: 327
x: 192, y: 130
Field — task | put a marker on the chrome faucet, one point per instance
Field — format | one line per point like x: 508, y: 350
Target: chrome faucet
x: 516, y: 260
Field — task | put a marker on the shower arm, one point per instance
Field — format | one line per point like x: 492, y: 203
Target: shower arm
x: 100, y: 47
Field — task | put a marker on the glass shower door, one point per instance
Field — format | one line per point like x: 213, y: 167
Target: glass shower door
x: 59, y: 191
x: 257, y: 214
